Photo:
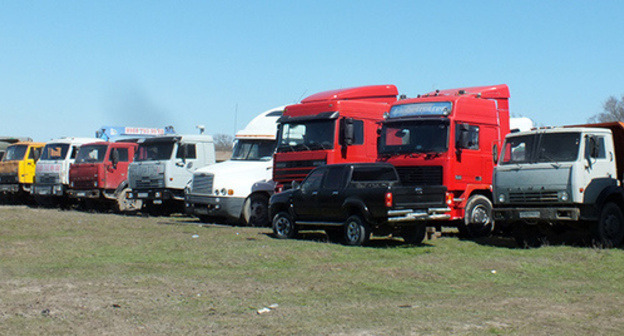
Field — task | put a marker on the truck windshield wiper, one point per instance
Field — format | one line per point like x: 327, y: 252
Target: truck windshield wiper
x: 552, y: 161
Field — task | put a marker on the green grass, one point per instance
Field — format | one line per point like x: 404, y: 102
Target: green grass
x: 78, y: 273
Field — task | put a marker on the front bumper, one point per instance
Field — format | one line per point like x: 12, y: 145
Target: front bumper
x: 48, y: 189
x: 9, y: 188
x: 156, y: 195
x: 226, y: 207
x: 410, y: 215
x: 536, y: 214
x: 90, y: 193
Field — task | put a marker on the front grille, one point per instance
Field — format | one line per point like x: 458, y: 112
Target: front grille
x: 421, y: 175
x: 287, y: 171
x: 48, y: 178
x: 83, y: 184
x: 202, y: 183
x: 147, y: 183
x: 533, y: 197
x: 8, y: 178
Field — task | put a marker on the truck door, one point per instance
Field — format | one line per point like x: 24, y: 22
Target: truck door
x: 186, y: 162
x: 305, y: 199
x: 118, y: 169
x: 599, y: 164
x: 329, y: 195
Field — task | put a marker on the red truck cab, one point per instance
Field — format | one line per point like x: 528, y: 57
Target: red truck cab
x: 451, y: 138
x: 99, y: 176
x: 338, y: 126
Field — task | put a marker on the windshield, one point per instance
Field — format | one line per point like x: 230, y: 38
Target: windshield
x: 428, y: 136
x: 15, y: 153
x: 154, y: 151
x: 253, y: 150
x: 55, y: 151
x: 92, y: 153
x: 541, y: 147
x: 306, y: 135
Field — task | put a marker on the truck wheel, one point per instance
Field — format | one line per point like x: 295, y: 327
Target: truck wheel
x: 528, y: 236
x: 478, y: 221
x: 414, y: 234
x: 356, y: 231
x: 256, y: 210
x: 284, y: 226
x: 124, y: 204
x: 609, y: 230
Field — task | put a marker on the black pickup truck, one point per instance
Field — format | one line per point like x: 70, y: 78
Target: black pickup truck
x: 352, y: 201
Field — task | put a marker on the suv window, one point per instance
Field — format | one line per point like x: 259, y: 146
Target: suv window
x: 334, y: 178
x: 361, y: 174
x: 313, y: 181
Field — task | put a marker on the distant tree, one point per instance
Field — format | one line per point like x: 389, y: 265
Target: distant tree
x: 613, y: 111
x: 223, y: 142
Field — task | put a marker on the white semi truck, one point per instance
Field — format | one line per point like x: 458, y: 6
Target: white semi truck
x: 163, y: 166
x: 233, y: 190
x: 52, y: 171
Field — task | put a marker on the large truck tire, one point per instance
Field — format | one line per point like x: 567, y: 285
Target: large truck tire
x: 608, y: 231
x: 256, y: 210
x: 478, y: 221
x: 356, y: 231
x: 284, y: 226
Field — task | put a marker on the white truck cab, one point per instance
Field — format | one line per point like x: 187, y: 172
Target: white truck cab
x: 224, y: 190
x: 52, y: 170
x: 163, y: 166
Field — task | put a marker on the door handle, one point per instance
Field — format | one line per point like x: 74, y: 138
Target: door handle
x: 334, y: 193
x: 314, y: 193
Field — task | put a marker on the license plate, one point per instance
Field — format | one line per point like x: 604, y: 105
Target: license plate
x: 45, y: 191
x: 142, y: 195
x: 82, y: 194
x: 157, y: 201
x: 529, y: 214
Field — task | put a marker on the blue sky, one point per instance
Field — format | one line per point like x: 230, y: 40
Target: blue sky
x: 69, y: 67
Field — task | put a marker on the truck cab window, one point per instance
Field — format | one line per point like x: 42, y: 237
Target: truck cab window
x: 600, y: 152
x: 190, y: 154
x: 473, y: 136
x: 123, y: 154
x: 358, y: 132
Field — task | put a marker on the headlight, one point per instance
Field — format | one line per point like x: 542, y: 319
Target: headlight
x: 501, y: 198
x: 216, y: 192
x: 564, y: 196
x: 223, y: 191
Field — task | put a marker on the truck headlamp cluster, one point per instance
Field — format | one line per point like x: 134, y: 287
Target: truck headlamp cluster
x: 501, y: 198
x: 563, y: 196
x: 223, y: 192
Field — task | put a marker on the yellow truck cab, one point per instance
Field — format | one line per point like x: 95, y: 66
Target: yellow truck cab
x: 17, y: 168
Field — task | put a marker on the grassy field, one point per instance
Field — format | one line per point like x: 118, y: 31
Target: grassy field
x: 68, y: 272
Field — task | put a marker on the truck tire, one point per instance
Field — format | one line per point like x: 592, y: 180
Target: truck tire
x: 124, y: 204
x: 284, y: 226
x: 256, y: 210
x: 356, y: 231
x: 414, y: 234
x: 478, y: 220
x: 609, y: 230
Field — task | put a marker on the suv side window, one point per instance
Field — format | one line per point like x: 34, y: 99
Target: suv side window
x: 361, y: 174
x: 313, y: 181
x: 334, y: 178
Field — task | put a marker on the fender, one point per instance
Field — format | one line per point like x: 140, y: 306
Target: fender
x: 352, y: 202
x: 610, y: 193
x: 123, y: 185
x: 263, y: 186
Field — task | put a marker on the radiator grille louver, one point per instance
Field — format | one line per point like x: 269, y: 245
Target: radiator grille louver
x: 422, y: 175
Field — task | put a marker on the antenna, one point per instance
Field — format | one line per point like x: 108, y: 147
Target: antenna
x: 235, y: 117
x: 304, y: 92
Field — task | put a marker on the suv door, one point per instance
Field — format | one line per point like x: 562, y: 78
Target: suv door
x: 330, y: 195
x: 305, y: 198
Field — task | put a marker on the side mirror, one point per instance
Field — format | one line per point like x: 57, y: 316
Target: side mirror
x: 347, y: 138
x: 115, y: 158
x: 495, y: 153
x: 463, y: 137
x: 294, y: 185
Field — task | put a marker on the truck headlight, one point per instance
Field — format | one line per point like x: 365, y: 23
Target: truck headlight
x: 564, y: 196
x: 223, y: 191
x: 501, y: 198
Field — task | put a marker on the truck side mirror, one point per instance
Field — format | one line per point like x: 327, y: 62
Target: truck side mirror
x: 294, y: 184
x: 115, y: 158
x: 495, y: 153
x: 463, y: 137
x: 348, y: 133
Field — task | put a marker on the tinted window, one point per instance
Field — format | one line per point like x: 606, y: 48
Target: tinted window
x: 123, y: 154
x: 473, y: 136
x: 313, y: 181
x: 358, y: 132
x: 334, y: 178
x: 374, y: 174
